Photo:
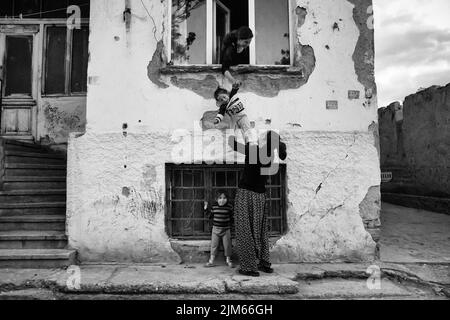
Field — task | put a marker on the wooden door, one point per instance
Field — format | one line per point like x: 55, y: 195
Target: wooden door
x: 18, y: 98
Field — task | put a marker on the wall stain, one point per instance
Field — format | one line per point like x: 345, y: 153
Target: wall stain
x: 60, y: 123
x: 145, y: 205
x: 126, y: 191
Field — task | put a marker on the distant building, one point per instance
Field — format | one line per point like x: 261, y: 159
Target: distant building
x: 415, y: 148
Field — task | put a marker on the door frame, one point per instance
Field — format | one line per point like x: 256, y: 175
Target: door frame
x: 34, y: 30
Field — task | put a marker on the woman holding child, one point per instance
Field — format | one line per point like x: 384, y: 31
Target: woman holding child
x: 250, y: 215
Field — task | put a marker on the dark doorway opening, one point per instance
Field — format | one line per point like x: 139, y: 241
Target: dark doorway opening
x: 18, y: 65
x: 238, y: 18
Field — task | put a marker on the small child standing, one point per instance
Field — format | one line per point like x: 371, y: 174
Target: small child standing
x: 221, y: 212
x: 231, y: 104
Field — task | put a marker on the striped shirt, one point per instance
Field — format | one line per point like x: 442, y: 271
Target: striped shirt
x: 232, y: 106
x: 221, y: 215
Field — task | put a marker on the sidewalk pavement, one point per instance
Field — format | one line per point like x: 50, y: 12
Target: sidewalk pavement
x: 290, y: 281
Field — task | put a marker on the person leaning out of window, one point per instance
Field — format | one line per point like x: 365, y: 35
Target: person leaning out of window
x: 233, y: 48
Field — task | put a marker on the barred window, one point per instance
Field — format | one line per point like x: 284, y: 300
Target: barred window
x: 188, y: 186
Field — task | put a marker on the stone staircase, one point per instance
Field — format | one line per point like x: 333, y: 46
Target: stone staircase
x: 32, y: 207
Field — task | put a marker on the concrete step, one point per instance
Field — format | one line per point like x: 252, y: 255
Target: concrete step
x: 31, y: 183
x: 39, y: 208
x: 29, y: 145
x: 32, y: 196
x: 27, y: 154
x: 37, y: 258
x: 34, y: 169
x: 32, y: 240
x: 14, y: 157
x: 26, y: 138
x: 33, y: 222
x: 25, y: 147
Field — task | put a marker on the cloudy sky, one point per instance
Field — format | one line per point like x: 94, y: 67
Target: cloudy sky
x: 412, y: 46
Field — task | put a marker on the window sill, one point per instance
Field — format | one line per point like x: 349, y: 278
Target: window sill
x: 240, y: 69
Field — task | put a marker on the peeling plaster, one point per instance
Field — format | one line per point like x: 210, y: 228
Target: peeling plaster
x: 364, y: 55
x: 370, y: 207
x: 262, y: 85
x: 376, y: 135
x: 59, y: 119
x: 204, y: 87
x: 154, y: 67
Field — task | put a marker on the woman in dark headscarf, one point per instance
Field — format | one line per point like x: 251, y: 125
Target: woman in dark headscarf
x: 233, y: 48
x: 251, y: 220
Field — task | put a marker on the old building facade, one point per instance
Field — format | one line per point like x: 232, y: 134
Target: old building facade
x: 138, y: 175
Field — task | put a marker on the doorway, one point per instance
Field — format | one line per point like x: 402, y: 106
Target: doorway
x: 18, y: 92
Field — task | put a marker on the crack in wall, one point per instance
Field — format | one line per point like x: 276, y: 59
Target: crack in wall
x: 319, y: 188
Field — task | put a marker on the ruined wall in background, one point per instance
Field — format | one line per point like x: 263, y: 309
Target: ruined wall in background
x: 416, y: 149
x: 116, y: 183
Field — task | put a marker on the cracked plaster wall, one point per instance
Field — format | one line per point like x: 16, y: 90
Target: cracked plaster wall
x: 116, y: 211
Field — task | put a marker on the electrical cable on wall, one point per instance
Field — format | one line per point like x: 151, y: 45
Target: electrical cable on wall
x: 153, y: 20
x: 21, y: 16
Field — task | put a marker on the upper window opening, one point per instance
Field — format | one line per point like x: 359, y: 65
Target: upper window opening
x: 41, y: 9
x: 199, y: 27
x: 66, y: 59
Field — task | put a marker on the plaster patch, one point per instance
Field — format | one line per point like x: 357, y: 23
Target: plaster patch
x: 370, y: 207
x: 158, y: 61
x: 364, y: 54
x: 60, y: 120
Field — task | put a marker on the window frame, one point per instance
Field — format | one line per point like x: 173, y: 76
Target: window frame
x: 210, y: 37
x: 68, y: 60
x: 208, y: 171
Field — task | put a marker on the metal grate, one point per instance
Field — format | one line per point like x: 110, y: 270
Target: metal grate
x: 188, y: 186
